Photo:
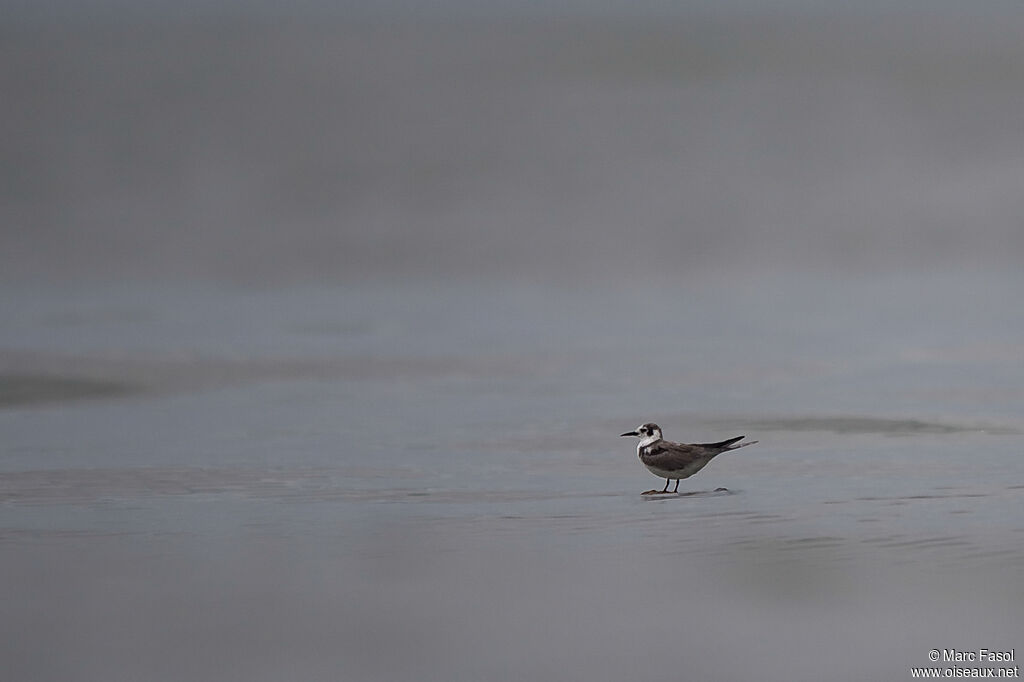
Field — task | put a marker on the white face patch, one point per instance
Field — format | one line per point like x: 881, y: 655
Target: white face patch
x: 648, y: 439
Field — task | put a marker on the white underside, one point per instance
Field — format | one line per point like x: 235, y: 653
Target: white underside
x: 682, y: 473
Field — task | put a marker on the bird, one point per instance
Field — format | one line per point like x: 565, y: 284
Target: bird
x: 676, y: 460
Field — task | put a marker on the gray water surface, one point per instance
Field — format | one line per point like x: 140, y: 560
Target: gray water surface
x: 385, y: 483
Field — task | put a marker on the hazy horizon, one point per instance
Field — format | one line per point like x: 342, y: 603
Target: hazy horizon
x: 536, y: 149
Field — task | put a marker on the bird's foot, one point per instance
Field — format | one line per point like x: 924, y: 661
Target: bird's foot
x: 657, y: 492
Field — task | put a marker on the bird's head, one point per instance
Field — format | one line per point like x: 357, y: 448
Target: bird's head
x: 646, y: 431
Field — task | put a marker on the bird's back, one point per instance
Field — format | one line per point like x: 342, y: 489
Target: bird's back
x: 665, y: 454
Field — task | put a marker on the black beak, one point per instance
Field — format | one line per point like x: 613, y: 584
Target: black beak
x: 631, y: 433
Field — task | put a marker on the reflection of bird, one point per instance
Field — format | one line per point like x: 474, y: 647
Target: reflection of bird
x: 676, y: 460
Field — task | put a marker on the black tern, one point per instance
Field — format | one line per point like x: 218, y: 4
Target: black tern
x: 676, y: 460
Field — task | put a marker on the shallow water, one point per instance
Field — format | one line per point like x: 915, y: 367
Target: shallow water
x: 438, y: 491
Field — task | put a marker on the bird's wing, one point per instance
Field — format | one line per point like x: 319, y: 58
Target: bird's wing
x: 671, y: 456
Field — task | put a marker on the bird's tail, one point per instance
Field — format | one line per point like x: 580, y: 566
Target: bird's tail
x: 729, y: 444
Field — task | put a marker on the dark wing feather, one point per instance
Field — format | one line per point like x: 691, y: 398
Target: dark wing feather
x: 722, y: 445
x: 670, y: 456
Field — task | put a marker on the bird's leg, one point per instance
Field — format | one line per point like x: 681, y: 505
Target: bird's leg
x: 662, y: 492
x: 676, y: 489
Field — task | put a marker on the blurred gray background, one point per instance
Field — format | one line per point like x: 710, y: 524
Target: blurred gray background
x: 319, y: 323
x: 254, y: 142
